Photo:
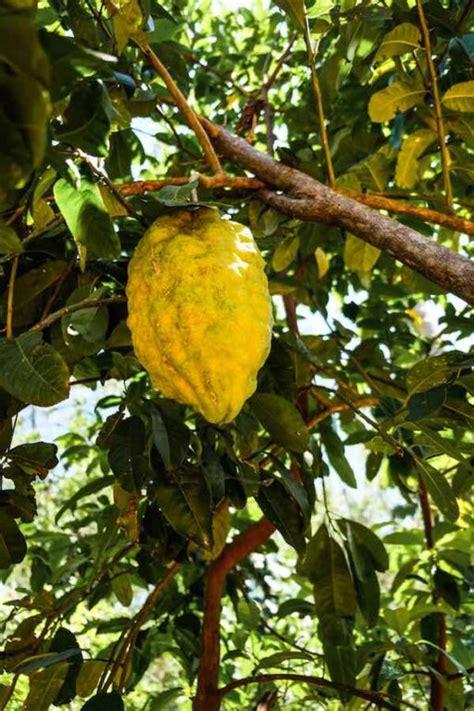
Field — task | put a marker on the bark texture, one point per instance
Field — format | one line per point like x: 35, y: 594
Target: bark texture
x: 305, y: 198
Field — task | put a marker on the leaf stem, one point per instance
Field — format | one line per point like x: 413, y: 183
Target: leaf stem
x: 10, y: 297
x: 445, y: 158
x: 312, y: 52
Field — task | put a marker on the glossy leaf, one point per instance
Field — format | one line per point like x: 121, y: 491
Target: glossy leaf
x: 32, y: 370
x: 281, y: 420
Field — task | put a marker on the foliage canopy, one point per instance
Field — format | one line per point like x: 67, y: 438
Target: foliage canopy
x: 118, y: 543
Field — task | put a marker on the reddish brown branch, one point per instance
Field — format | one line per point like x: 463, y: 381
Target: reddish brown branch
x: 208, y: 695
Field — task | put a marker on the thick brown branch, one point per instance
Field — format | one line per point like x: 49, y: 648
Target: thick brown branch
x: 460, y: 224
x: 207, y: 696
x: 374, y: 697
x: 313, y: 201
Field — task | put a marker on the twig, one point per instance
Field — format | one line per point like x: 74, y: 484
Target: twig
x: 10, y: 297
x: 445, y: 159
x: 139, y: 620
x: 283, y: 57
x: 312, y: 51
x: 375, y: 697
x: 84, y: 304
x: 183, y: 105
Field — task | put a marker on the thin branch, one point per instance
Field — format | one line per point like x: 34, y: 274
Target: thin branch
x: 375, y: 697
x: 183, y: 105
x: 283, y: 57
x: 445, y: 159
x: 78, y: 306
x: 379, y: 202
x: 312, y: 52
x: 10, y: 297
x: 138, y: 621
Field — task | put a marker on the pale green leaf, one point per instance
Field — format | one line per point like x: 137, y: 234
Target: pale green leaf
x: 87, y: 218
x: 359, y: 256
x: 399, y: 96
x: 403, y: 38
x: 460, y: 97
x: 285, y: 253
x: 413, y: 146
x: 9, y: 240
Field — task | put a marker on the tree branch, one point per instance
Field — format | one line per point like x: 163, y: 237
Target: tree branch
x: 310, y: 200
x: 374, y: 697
x: 183, y: 106
x: 207, y: 695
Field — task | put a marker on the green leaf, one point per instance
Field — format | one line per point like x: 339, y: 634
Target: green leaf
x: 322, y: 261
x: 282, y: 421
x: 402, y: 39
x: 183, y: 497
x: 104, y: 701
x: 424, y: 404
x: 12, y: 542
x: 399, y: 96
x: 87, y: 119
x: 295, y: 9
x: 285, y: 253
x: 32, y: 370
x: 86, y: 217
x: 368, y: 539
x: 284, y: 512
x: 460, y: 97
x: 92, y: 487
x: 34, y: 456
x: 440, y: 490
x: 64, y: 643
x: 9, y: 241
x: 360, y: 256
x: 122, y: 587
x: 334, y: 449
x: 45, y: 686
x: 127, y: 457
x: 89, y: 676
x: 41, y: 661
x: 162, y: 702
x: 324, y: 564
x: 406, y: 174
x: 278, y: 658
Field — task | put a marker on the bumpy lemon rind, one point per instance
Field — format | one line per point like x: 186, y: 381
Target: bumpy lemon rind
x: 200, y: 311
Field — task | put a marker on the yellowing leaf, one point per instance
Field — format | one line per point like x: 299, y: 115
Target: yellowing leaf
x: 460, y: 97
x: 359, y: 256
x: 220, y: 530
x: 285, y: 253
x: 403, y: 38
x: 128, y: 22
x: 322, y: 261
x: 43, y: 214
x: 399, y: 96
x: 413, y: 146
